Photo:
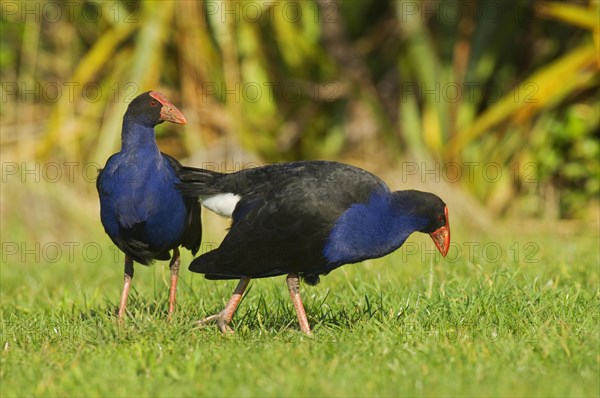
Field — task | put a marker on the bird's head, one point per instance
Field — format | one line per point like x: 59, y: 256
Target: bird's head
x: 431, y: 213
x: 152, y: 108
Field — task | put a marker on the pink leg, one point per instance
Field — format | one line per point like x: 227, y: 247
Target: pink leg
x: 126, y: 286
x: 224, y: 317
x: 174, y: 267
x: 293, y: 283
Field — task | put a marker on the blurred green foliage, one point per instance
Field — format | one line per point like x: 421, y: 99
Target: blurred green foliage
x: 513, y: 83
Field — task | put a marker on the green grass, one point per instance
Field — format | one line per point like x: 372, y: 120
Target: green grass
x: 399, y: 326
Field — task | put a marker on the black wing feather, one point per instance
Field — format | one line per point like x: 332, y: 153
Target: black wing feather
x: 192, y: 236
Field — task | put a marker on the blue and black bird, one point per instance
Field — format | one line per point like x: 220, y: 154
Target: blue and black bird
x: 141, y: 209
x: 305, y: 219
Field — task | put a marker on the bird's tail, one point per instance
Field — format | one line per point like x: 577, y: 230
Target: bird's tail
x: 198, y: 182
x: 208, y: 264
x: 204, y: 263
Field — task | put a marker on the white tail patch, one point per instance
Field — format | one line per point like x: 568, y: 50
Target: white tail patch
x: 223, y: 203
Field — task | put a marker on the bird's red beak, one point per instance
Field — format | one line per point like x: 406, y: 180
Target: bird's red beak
x: 441, y: 236
x: 168, y: 112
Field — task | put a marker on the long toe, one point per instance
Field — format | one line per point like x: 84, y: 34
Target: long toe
x: 221, y: 321
x: 207, y: 320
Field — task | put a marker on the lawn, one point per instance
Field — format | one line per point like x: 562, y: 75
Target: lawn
x: 523, y: 321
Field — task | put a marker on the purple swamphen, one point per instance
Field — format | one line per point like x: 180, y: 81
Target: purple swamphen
x: 305, y: 219
x: 141, y: 208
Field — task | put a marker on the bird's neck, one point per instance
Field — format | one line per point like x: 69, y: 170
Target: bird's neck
x: 137, y: 138
x: 372, y: 229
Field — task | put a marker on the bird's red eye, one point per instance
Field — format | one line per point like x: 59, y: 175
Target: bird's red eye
x: 153, y: 103
x: 440, y: 218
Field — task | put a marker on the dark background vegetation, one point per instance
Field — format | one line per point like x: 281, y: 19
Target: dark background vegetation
x: 496, y: 98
